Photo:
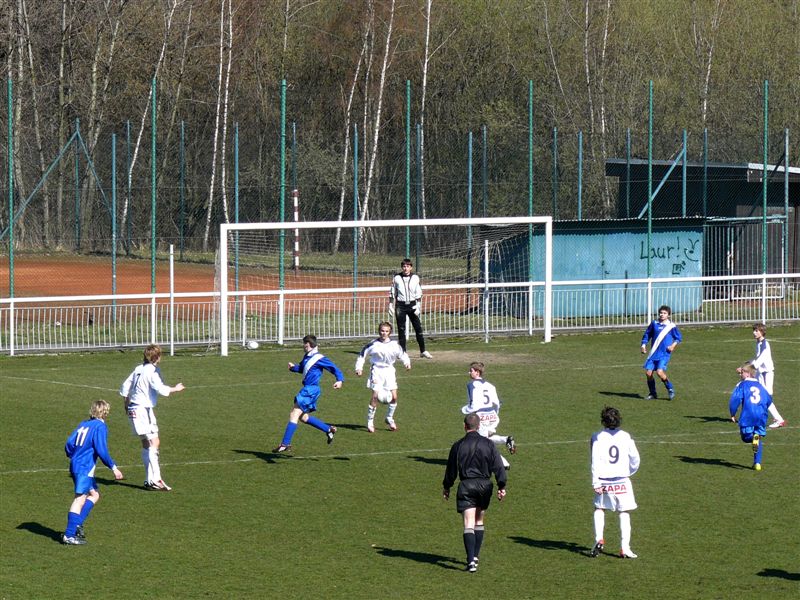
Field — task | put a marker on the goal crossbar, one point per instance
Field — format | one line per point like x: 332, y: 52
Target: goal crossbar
x: 227, y: 228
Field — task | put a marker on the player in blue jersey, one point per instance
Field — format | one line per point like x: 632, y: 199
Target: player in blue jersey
x: 87, y: 443
x: 663, y: 336
x: 754, y: 401
x: 312, y: 366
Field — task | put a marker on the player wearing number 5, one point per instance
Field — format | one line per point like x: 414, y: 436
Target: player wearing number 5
x: 614, y: 459
x: 754, y: 401
x: 87, y: 443
x: 482, y: 400
x: 405, y: 301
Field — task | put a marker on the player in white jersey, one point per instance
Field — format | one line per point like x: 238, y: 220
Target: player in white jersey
x: 141, y: 390
x: 614, y: 459
x: 482, y: 399
x: 765, y: 369
x: 383, y: 352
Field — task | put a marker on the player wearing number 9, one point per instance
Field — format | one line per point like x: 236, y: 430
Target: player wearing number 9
x: 614, y: 459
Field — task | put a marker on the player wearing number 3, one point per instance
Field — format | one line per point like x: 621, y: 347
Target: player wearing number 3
x: 614, y: 459
x: 754, y: 400
x: 382, y: 352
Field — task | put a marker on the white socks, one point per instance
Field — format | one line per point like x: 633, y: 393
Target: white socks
x: 392, y: 408
x: 599, y: 523
x: 773, y: 411
x: 154, y: 470
x: 625, y: 531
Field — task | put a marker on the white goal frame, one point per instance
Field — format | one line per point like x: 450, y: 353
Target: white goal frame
x: 226, y: 228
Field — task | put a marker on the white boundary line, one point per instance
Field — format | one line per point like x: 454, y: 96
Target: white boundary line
x: 656, y: 439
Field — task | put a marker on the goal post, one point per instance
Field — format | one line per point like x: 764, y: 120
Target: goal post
x: 471, y: 268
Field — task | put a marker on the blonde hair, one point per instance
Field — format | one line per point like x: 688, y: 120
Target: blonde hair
x: 100, y: 409
x: 749, y: 369
x: 152, y: 354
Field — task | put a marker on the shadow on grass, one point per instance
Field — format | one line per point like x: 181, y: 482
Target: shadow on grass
x: 430, y: 461
x: 708, y: 419
x: 779, y: 573
x: 268, y: 457
x: 351, y: 426
x: 714, y: 462
x: 39, y: 529
x: 622, y: 395
x: 550, y: 544
x: 445, y: 562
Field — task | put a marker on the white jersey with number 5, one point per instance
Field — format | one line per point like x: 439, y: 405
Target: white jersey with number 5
x: 482, y: 399
x: 614, y: 456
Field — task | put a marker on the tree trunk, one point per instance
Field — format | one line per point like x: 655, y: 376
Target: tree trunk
x: 387, y: 53
x: 210, y: 202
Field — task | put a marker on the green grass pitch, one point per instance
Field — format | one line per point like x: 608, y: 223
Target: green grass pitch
x: 364, y: 517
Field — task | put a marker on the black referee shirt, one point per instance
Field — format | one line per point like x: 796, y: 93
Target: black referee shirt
x: 474, y: 457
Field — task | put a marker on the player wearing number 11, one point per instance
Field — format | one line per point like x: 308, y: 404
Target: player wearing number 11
x: 614, y: 459
x: 87, y: 443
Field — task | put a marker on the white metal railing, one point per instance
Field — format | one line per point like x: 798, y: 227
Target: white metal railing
x: 53, y: 324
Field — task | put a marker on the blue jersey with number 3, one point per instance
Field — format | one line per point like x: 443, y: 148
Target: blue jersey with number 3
x: 86, y: 444
x: 754, y: 401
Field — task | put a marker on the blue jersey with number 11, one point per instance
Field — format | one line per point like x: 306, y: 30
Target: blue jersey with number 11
x: 754, y: 400
x: 86, y: 444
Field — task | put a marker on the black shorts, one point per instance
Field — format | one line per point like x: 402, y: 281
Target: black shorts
x: 474, y: 493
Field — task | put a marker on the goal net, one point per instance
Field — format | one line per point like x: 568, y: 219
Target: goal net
x: 333, y: 278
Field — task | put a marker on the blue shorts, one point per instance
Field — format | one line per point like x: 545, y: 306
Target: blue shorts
x: 748, y: 432
x: 83, y: 483
x: 307, y: 398
x: 656, y: 364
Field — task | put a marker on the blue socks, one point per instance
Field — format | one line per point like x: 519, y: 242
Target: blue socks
x: 289, y: 433
x: 73, y: 520
x: 315, y: 422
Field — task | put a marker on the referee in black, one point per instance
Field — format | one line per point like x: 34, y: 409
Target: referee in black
x: 473, y: 459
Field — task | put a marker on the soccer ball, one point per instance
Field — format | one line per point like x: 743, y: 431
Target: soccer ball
x: 384, y: 396
x: 252, y: 345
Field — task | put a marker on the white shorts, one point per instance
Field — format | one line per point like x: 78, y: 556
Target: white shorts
x: 382, y: 379
x: 766, y: 378
x: 490, y: 421
x: 143, y: 422
x: 616, y: 495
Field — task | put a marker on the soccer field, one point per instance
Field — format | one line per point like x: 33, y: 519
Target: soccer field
x: 364, y: 517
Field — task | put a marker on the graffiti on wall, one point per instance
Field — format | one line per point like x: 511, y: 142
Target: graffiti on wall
x: 681, y: 250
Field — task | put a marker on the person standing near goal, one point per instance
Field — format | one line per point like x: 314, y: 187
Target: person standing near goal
x: 614, y: 460
x: 482, y: 399
x: 765, y: 370
x: 87, y: 443
x: 405, y: 301
x: 141, y: 391
x: 382, y: 352
x: 312, y: 366
x: 664, y: 337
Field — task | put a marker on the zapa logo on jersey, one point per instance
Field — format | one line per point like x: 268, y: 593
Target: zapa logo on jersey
x: 615, y: 488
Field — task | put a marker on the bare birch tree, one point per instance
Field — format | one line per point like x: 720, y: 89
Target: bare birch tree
x: 347, y: 123
x: 217, y: 118
x: 46, y: 224
x: 171, y: 7
x: 387, y: 53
